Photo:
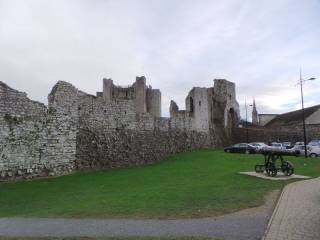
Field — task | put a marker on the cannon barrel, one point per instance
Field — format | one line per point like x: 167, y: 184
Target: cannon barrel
x: 279, y: 152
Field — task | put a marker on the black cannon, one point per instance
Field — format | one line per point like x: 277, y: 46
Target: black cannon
x: 270, y: 162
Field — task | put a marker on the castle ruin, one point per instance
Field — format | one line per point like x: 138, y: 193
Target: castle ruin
x: 145, y: 98
x: 119, y: 127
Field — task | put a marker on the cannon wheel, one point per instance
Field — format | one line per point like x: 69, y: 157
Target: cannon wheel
x: 287, y: 168
x: 271, y: 169
x: 259, y: 168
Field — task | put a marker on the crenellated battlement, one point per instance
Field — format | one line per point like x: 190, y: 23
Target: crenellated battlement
x: 146, y: 99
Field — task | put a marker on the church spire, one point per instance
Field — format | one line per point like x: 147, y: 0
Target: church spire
x: 255, y: 120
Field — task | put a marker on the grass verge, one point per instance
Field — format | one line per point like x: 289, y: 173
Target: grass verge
x: 109, y: 238
x: 193, y: 184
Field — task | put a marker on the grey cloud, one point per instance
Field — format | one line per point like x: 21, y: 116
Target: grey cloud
x: 176, y: 44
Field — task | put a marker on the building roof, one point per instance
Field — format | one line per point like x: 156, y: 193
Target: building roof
x: 268, y: 114
x: 292, y: 118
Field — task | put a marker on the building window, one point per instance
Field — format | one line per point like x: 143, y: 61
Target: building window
x: 199, y: 103
x: 191, y: 104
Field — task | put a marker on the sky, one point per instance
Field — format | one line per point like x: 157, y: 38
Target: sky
x: 177, y: 44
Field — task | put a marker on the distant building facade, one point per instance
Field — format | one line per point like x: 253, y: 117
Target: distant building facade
x: 294, y: 119
x: 289, y: 119
x: 286, y: 127
x: 265, y: 118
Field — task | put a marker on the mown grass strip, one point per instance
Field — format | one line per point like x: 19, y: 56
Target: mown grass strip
x: 193, y: 184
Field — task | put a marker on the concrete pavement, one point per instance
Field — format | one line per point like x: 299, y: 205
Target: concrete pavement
x: 297, y: 214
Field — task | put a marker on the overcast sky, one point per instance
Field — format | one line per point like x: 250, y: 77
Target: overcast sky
x: 176, y: 44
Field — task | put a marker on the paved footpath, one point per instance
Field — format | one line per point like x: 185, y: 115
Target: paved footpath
x: 248, y: 224
x: 297, y: 214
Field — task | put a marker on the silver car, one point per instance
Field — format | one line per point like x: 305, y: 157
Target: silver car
x: 301, y: 149
x: 313, y: 151
x: 259, y: 145
x: 314, y: 143
x: 278, y: 146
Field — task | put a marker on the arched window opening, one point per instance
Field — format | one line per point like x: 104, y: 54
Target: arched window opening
x: 232, y: 118
x: 191, y: 105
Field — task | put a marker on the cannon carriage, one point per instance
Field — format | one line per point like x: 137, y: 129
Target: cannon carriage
x: 272, y: 165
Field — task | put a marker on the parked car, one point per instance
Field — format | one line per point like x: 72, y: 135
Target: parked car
x: 314, y: 143
x: 301, y: 149
x: 277, y: 146
x: 287, y: 145
x: 258, y: 145
x: 313, y: 151
x: 299, y: 143
x: 240, y: 148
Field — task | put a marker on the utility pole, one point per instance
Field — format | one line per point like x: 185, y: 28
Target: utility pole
x: 247, y: 133
x: 301, y: 81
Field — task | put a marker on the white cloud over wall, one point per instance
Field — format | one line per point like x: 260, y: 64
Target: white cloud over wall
x: 260, y: 45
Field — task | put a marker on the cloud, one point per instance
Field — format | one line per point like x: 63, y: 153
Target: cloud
x: 259, y: 45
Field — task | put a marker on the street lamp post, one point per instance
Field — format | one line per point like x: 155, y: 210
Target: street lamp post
x: 247, y: 132
x: 301, y: 81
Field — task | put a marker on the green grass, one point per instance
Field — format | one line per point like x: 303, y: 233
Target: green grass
x: 108, y: 238
x: 194, y: 184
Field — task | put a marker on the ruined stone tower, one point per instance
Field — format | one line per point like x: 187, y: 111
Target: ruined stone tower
x: 145, y: 98
x: 209, y: 108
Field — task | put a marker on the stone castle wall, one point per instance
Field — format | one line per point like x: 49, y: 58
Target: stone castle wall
x: 288, y: 134
x: 113, y: 134
x: 213, y: 110
x: 13, y: 102
x: 34, y: 140
x: 99, y: 146
x: 118, y: 127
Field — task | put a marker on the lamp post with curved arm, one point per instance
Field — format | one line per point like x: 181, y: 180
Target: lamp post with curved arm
x: 301, y: 81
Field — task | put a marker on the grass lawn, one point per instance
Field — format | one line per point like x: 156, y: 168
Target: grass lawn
x: 193, y: 184
x: 108, y: 238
